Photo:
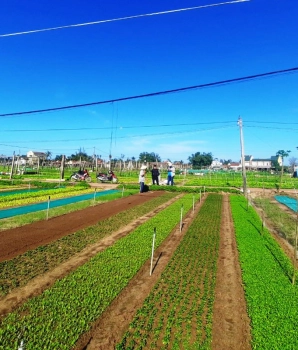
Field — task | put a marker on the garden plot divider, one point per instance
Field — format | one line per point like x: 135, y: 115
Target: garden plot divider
x: 56, y: 318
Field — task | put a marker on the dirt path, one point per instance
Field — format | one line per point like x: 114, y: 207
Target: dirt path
x: 231, y: 328
x: 22, y: 239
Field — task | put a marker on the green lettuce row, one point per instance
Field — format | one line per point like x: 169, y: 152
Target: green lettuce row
x: 183, y: 298
x: 56, y: 318
x: 43, y: 195
x: 272, y: 300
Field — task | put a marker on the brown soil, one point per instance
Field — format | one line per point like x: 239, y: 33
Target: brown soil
x: 21, y: 239
x: 231, y: 328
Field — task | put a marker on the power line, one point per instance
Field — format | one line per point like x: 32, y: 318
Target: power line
x: 155, y: 126
x: 128, y: 136
x: 165, y: 92
x: 193, y: 131
x: 122, y: 18
x: 120, y: 127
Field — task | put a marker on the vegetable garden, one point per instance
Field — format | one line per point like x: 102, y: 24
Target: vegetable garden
x: 178, y: 311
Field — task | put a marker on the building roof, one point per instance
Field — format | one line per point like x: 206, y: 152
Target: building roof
x: 37, y: 153
x: 247, y: 158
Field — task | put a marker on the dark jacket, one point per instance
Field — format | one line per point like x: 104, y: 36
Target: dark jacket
x: 155, y: 172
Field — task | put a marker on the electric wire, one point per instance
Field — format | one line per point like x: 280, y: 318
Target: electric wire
x: 120, y: 127
x: 152, y: 134
x: 246, y: 122
x: 159, y: 93
x: 122, y: 18
x: 130, y: 136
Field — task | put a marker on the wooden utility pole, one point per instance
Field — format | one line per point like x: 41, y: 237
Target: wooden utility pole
x: 62, y: 166
x: 12, y: 166
x: 242, y: 157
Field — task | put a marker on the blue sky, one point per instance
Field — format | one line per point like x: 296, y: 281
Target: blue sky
x: 142, y: 55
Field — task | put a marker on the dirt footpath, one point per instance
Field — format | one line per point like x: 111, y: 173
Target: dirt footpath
x: 22, y: 239
x: 231, y: 329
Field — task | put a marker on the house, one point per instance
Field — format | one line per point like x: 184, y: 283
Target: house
x: 216, y: 164
x: 261, y: 163
x: 35, y: 157
x: 234, y: 166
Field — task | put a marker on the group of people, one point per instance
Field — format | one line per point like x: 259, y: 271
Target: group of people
x: 155, y: 175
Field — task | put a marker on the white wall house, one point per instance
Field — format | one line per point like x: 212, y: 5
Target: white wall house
x: 234, y: 166
x: 261, y: 163
x: 35, y: 157
x: 216, y: 164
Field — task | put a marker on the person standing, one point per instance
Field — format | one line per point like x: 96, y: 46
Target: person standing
x: 155, y: 175
x: 169, y: 178
x: 142, y: 178
x: 171, y: 174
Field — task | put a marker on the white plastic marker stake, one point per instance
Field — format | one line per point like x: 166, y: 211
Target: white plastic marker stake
x: 181, y: 214
x: 152, y: 253
x: 204, y: 191
x: 200, y: 195
x: 94, y: 196
x: 48, y: 207
x: 29, y: 186
x: 21, y: 347
x: 122, y: 190
x: 193, y: 202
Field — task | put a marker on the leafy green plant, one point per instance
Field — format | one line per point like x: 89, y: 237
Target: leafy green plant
x: 42, y: 195
x: 19, y: 271
x: 272, y: 300
x: 56, y: 318
x: 178, y: 311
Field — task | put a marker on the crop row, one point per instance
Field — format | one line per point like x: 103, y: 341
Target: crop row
x: 187, y: 189
x: 56, y: 318
x: 19, y: 271
x: 267, y: 272
x: 177, y: 314
x: 235, y: 180
x: 39, y: 196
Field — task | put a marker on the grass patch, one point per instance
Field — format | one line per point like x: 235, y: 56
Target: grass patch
x: 282, y: 221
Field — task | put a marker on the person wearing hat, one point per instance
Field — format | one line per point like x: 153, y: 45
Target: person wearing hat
x: 142, y: 178
x: 171, y: 174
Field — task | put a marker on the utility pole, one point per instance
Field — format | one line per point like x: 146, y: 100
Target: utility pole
x: 242, y: 157
x: 12, y: 166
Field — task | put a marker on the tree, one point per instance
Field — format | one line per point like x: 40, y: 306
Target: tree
x: 81, y: 155
x: 58, y: 158
x: 146, y: 157
x: 225, y: 162
x: 199, y: 160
